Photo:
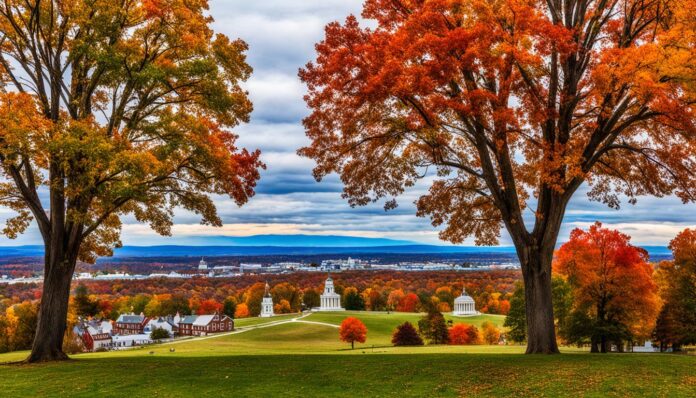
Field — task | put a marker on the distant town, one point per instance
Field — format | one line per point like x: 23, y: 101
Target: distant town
x: 206, y: 270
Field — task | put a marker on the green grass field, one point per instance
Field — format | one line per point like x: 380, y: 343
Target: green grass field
x: 281, y: 357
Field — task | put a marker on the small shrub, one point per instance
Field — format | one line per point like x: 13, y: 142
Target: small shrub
x: 159, y: 334
x: 406, y: 335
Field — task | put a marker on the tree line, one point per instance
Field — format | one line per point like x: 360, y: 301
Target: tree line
x: 605, y: 293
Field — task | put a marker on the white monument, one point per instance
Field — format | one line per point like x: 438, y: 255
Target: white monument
x: 267, y: 304
x: 202, y: 265
x: 464, y: 305
x: 330, y: 300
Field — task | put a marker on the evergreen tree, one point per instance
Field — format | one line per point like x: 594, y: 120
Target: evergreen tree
x: 84, y: 306
x: 434, y: 328
x: 353, y: 300
x: 229, y: 306
x: 516, y: 321
x: 311, y: 298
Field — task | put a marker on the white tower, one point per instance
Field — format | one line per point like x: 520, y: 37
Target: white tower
x: 267, y: 304
x: 330, y: 300
x: 202, y: 265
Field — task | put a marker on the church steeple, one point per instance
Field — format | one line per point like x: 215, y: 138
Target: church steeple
x: 267, y: 303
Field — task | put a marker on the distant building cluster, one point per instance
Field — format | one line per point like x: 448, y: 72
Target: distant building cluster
x: 204, y: 269
x: 131, y: 330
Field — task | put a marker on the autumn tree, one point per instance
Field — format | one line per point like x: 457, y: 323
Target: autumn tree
x: 208, y: 307
x: 434, y: 328
x: 406, y: 335
x: 84, y: 305
x: 490, y: 333
x: 409, y: 303
x: 394, y: 299
x: 242, y: 311
x: 288, y: 292
x: 614, y: 296
x: 19, y: 326
x: 352, y: 300
x: 114, y: 108
x: 310, y: 298
x: 676, y: 323
x: 283, y: 307
x: 508, y: 107
x: 352, y: 330
x: 463, y: 334
x: 253, y: 297
x: 173, y: 303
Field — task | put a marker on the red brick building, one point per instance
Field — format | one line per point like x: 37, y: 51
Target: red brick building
x: 130, y: 324
x: 202, y: 325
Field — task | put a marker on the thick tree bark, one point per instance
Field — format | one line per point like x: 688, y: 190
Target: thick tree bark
x: 541, y: 332
x: 53, y: 311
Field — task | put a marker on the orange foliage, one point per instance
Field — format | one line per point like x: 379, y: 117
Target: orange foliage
x: 352, y: 330
x: 464, y: 334
x: 610, y: 277
x: 491, y: 334
x: 504, y: 307
x: 209, y: 307
x: 409, y: 303
x: 507, y: 100
x: 242, y: 311
x: 395, y: 297
x: 283, y: 307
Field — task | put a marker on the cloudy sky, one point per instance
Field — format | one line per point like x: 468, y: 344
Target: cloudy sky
x: 281, y: 36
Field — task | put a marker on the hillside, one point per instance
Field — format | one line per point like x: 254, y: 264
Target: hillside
x: 303, y: 357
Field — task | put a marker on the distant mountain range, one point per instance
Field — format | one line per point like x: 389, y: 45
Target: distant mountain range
x: 295, y: 241
x: 258, y: 245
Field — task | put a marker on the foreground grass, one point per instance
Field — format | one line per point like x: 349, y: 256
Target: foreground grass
x: 296, y: 359
x: 373, y: 375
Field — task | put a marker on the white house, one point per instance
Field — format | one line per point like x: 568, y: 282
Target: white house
x: 119, y: 342
x: 103, y: 326
x: 647, y: 347
x: 161, y: 323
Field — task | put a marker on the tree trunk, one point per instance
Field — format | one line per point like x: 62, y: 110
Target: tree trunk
x: 541, y: 332
x: 53, y: 311
x: 594, y: 346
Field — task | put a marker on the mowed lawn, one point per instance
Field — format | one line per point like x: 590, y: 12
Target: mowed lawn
x: 296, y: 359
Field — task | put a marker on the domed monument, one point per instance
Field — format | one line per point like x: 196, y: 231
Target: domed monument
x: 330, y: 300
x: 464, y: 305
x: 267, y: 303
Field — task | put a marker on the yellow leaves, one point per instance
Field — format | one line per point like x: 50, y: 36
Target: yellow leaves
x: 23, y: 128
